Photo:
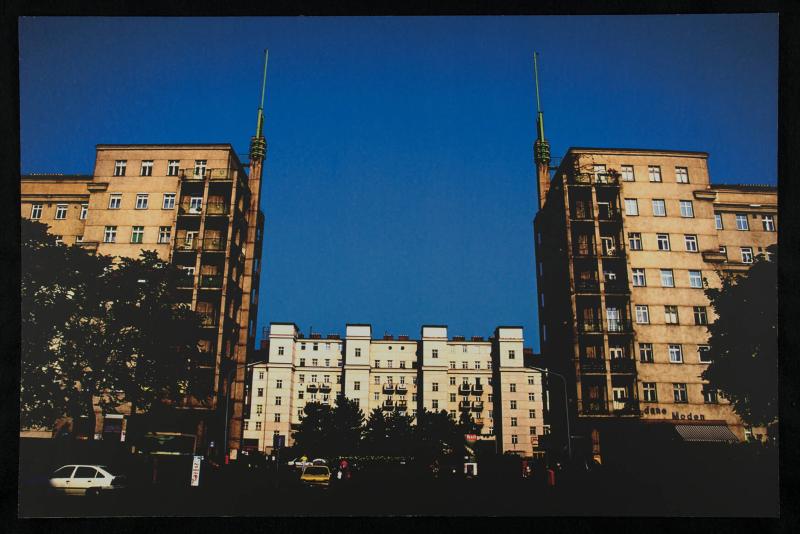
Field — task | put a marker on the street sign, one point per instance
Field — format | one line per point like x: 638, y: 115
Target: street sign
x: 471, y: 437
x: 278, y: 441
x: 122, y: 436
x: 196, y: 470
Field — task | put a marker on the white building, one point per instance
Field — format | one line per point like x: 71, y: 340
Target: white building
x: 486, y: 378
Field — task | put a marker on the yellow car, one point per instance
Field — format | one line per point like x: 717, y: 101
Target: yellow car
x: 316, y: 475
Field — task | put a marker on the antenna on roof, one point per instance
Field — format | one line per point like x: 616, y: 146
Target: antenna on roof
x: 257, y: 143
x: 539, y: 112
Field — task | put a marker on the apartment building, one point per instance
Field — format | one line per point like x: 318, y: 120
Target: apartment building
x: 196, y: 206
x: 485, y: 378
x: 626, y: 240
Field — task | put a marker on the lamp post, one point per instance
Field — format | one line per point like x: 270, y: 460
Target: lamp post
x: 227, y: 402
x: 566, y: 404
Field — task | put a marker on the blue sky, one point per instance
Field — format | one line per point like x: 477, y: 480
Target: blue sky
x: 399, y: 186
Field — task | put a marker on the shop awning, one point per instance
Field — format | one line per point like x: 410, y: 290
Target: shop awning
x: 706, y: 433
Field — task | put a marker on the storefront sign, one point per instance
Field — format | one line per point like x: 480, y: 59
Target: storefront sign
x: 196, y: 470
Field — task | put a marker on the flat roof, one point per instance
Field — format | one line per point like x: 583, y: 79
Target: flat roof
x: 56, y: 176
x: 641, y: 150
x: 745, y: 187
x: 162, y: 145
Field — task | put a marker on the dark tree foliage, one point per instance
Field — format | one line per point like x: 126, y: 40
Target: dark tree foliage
x: 744, y: 341
x: 348, y: 422
x: 315, y: 430
x: 389, y: 433
x: 96, y: 332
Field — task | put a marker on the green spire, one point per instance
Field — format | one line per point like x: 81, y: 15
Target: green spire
x: 258, y: 146
x: 541, y: 147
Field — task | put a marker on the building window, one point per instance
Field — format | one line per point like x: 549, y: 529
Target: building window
x: 59, y: 239
x: 141, y: 201
x: 599, y: 173
x: 327, y: 379
x: 687, y: 210
x: 704, y: 354
x: 642, y: 314
x: 513, y: 421
x: 663, y: 241
x: 169, y: 201
x: 531, y: 397
x: 768, y: 223
x: 277, y: 401
x: 36, y: 211
x: 258, y: 425
x: 631, y: 206
x: 61, y: 211
x: 682, y: 175
x: 259, y: 409
x: 377, y: 364
x: 110, y: 234
x: 659, y: 208
x: 261, y: 375
x: 434, y: 386
x: 533, y: 431
x: 718, y: 221
x: 328, y: 346
x: 654, y: 173
x: 172, y: 167
x: 531, y: 414
x: 315, y: 346
x: 671, y: 314
x: 649, y: 392
x: 377, y: 380
x: 747, y: 254
x: 452, y: 397
x: 389, y: 364
x: 137, y: 234
x: 280, y: 351
x: 356, y: 386
x: 358, y: 352
x: 147, y: 168
x: 513, y: 404
x: 247, y: 425
x: 635, y: 239
x: 691, y: 243
x: 710, y: 395
x: 646, y: 352
x: 314, y: 362
x: 452, y: 365
x: 723, y: 250
x: 114, y: 201
x: 741, y: 221
x: 119, y: 167
x: 679, y: 393
x: 465, y: 365
x: 164, y: 234
x: 639, y: 279
x: 435, y: 404
x: 277, y: 418
x: 530, y: 381
x: 435, y: 353
x: 463, y: 348
x: 302, y: 362
x: 667, y: 279
x: 477, y: 365
x: 511, y: 355
x: 301, y: 378
x: 513, y: 388
x: 700, y: 315
x: 84, y: 210
x: 200, y: 167
x: 695, y: 279
x: 279, y: 382
x: 78, y: 239
x: 675, y: 354
x: 260, y: 392
x: 627, y: 173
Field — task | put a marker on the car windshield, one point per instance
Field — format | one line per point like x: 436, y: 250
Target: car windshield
x: 317, y: 470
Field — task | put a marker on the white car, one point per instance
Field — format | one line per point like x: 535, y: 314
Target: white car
x: 88, y: 480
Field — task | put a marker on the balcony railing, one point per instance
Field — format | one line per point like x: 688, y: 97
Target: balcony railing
x: 388, y: 405
x: 401, y: 389
x: 213, y: 244
x: 617, y: 286
x: 593, y: 365
x: 584, y: 250
x: 586, y: 178
x: 216, y: 208
x: 620, y: 326
x: 402, y: 405
x: 312, y: 386
x: 325, y: 387
x: 625, y: 407
x: 714, y: 256
x: 477, y: 406
x: 213, y: 281
x: 623, y: 365
x: 186, y: 280
x: 185, y: 208
x: 190, y: 174
x: 187, y: 243
x: 587, y: 285
x: 464, y: 405
x: 464, y: 389
x: 592, y: 407
x: 388, y: 387
x: 609, y: 214
x: 589, y: 327
x: 209, y: 319
x: 615, y: 251
x: 477, y: 389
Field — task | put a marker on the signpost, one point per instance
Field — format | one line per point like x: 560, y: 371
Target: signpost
x: 196, y: 470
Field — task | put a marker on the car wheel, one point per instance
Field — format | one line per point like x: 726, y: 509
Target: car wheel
x: 93, y: 492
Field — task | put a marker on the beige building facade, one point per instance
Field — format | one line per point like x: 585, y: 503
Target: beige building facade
x: 196, y: 206
x: 626, y: 241
x: 485, y: 378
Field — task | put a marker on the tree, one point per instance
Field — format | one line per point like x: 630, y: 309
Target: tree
x: 389, y: 434
x: 315, y: 429
x: 96, y: 332
x: 437, y: 434
x: 744, y: 341
x: 348, y: 427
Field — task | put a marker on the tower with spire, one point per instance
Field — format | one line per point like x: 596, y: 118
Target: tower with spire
x: 541, y: 148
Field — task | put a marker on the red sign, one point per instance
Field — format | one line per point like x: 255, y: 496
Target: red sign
x: 471, y: 437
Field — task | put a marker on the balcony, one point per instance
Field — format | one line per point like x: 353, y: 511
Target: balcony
x: 590, y: 328
x: 325, y: 387
x: 187, y: 244
x: 464, y: 389
x: 312, y: 386
x: 402, y: 406
x: 620, y: 326
x: 477, y: 389
x: 211, y: 281
x: 617, y: 286
x: 586, y: 178
x: 623, y: 365
x: 464, y: 405
x: 216, y: 208
x: 191, y: 176
x: 593, y: 365
x: 593, y: 407
x: 220, y: 174
x: 714, y: 256
x: 477, y: 406
x: 388, y: 387
x: 625, y: 407
x: 587, y: 286
x: 208, y: 320
x: 612, y: 215
x: 617, y: 250
x: 213, y: 244
x: 388, y: 405
x: 584, y: 251
x: 401, y: 389
x: 479, y: 421
x: 186, y: 281
x: 186, y: 208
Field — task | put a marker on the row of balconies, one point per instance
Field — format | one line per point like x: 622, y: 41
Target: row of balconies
x: 322, y: 386
x: 400, y: 405
x: 622, y: 326
x: 390, y: 387
x: 191, y: 174
x: 604, y: 407
x: 593, y: 286
x: 207, y: 281
x: 466, y: 389
x: 598, y: 365
x: 603, y: 214
x: 617, y: 250
x: 193, y: 244
x: 588, y: 178
x: 470, y: 405
x: 211, y: 208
